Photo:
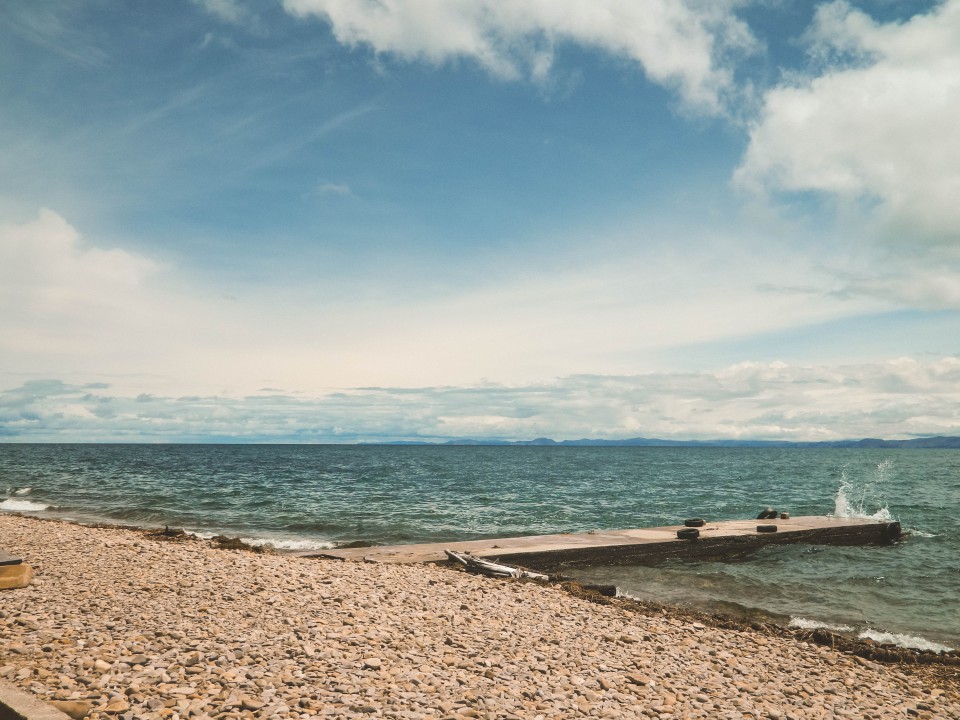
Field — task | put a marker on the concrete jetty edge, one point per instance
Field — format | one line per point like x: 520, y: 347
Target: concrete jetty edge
x: 553, y: 553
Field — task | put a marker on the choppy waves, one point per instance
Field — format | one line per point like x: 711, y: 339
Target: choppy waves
x: 310, y: 498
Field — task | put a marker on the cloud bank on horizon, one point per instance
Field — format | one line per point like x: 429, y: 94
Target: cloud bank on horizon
x: 323, y: 220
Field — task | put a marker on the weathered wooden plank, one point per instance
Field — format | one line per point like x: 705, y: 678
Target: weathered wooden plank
x: 485, y: 567
x: 551, y: 553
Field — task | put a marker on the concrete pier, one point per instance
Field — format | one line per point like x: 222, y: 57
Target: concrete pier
x: 556, y: 553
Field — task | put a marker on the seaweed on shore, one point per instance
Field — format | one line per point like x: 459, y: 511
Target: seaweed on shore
x: 170, y: 534
x: 940, y: 669
x: 863, y: 648
x: 234, y: 543
x: 347, y: 545
x: 592, y: 593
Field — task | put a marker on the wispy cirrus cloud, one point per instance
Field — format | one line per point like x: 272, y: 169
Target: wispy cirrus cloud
x: 50, y: 27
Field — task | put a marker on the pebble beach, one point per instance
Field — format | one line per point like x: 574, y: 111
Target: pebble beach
x: 119, y: 623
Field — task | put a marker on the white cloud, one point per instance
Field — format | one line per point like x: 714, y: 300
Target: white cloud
x: 774, y: 401
x: 332, y: 188
x: 46, y: 271
x: 69, y: 306
x: 78, y: 313
x: 876, y: 129
x: 230, y: 11
x: 680, y: 44
x: 924, y: 288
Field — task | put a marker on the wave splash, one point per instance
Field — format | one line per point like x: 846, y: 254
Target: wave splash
x: 807, y: 624
x: 277, y: 543
x: 907, y: 641
x: 289, y: 543
x: 11, y: 505
x: 855, y: 499
x: 903, y: 640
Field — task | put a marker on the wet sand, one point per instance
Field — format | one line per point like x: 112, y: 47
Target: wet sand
x: 142, y: 627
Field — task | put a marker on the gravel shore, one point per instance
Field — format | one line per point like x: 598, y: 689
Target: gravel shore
x: 141, y: 627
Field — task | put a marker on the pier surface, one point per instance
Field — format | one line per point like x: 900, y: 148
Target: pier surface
x: 552, y: 553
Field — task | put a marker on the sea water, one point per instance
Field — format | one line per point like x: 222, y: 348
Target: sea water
x: 313, y: 496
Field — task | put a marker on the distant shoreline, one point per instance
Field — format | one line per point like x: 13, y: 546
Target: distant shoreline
x: 939, y: 442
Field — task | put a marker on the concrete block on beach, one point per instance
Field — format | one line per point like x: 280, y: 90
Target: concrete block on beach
x: 16, y: 576
x: 18, y: 705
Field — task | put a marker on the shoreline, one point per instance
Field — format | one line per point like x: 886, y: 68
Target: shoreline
x: 130, y: 623
x: 746, y: 618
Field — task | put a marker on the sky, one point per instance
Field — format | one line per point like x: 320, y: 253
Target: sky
x: 389, y: 220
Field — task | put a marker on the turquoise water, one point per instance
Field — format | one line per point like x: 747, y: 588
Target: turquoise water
x: 315, y: 495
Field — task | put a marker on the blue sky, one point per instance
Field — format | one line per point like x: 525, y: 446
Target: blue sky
x: 340, y: 221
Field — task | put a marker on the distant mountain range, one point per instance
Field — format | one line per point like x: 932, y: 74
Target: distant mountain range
x: 916, y: 443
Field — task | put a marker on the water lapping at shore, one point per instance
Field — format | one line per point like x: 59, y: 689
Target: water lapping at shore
x: 22, y: 506
x: 311, y: 497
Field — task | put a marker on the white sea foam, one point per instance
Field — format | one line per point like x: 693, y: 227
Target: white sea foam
x: 290, y: 544
x: 22, y: 491
x: 11, y: 505
x: 908, y: 641
x: 806, y: 624
x: 276, y: 543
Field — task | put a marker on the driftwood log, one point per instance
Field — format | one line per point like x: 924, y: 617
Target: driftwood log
x: 485, y: 567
